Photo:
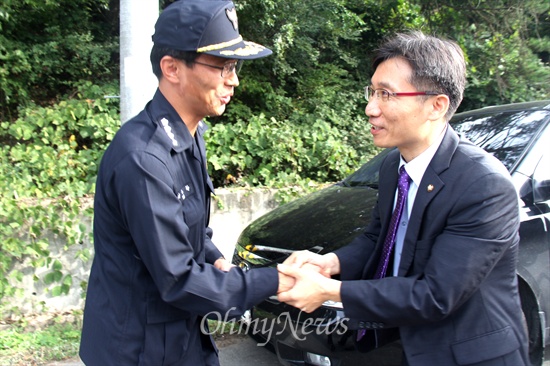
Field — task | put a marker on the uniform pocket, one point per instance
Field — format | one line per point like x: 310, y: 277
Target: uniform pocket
x: 164, y: 343
x: 166, y: 333
x: 192, y: 204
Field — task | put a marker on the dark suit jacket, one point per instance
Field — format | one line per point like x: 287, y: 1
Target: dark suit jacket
x: 150, y: 284
x: 455, y: 300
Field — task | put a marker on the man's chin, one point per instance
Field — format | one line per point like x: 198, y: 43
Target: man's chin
x: 218, y: 112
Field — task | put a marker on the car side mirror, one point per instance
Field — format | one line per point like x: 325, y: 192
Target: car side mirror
x: 541, y: 190
x: 526, y: 193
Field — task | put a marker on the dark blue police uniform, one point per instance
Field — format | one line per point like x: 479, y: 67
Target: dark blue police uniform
x: 149, y: 284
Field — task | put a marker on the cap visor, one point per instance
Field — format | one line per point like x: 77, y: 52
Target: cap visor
x: 244, y: 50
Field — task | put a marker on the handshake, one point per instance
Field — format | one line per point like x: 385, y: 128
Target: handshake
x: 305, y: 280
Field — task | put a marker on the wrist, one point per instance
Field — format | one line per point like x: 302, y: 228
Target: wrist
x: 333, y: 263
x: 331, y: 290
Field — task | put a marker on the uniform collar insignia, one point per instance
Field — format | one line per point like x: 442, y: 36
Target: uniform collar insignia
x: 166, y: 126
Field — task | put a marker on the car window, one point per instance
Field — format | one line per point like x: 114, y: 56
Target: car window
x: 367, y: 175
x: 506, y: 135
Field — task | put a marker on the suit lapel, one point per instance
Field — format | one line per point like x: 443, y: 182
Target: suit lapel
x: 429, y: 188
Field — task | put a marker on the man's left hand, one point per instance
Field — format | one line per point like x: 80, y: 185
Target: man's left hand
x: 311, y: 289
x: 223, y: 264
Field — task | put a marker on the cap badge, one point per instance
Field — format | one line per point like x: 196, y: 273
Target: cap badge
x: 232, y: 16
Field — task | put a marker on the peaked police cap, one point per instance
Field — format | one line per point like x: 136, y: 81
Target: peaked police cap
x: 205, y: 26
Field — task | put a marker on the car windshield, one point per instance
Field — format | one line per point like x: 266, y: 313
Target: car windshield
x: 506, y: 135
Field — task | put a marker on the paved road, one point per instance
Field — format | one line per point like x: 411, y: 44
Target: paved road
x: 241, y: 353
x: 247, y: 353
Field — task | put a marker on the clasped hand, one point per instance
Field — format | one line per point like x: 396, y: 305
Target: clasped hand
x: 304, y: 280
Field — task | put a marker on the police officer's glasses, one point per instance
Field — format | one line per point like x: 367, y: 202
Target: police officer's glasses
x: 227, y: 69
x: 385, y: 95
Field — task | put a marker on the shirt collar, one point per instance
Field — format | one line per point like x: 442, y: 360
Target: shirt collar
x: 416, y: 167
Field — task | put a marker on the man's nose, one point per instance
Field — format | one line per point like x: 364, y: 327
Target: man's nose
x: 233, y: 80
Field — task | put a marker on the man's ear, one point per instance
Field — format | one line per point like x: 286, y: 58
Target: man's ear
x: 440, y: 106
x: 170, y: 68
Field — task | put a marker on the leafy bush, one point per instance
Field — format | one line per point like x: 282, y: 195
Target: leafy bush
x: 38, y: 341
x: 50, y: 157
x: 267, y: 152
x: 506, y: 46
x: 45, y: 46
x: 48, y: 161
x: 297, y: 118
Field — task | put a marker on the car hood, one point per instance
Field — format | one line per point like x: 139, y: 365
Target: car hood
x: 302, y: 224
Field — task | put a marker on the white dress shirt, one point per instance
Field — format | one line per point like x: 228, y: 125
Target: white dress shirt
x: 415, y: 169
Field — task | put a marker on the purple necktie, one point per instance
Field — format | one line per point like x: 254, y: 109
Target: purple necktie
x: 402, y: 191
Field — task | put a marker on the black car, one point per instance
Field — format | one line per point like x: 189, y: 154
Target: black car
x: 517, y: 134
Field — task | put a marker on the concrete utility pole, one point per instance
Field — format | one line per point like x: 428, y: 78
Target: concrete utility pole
x: 137, y: 82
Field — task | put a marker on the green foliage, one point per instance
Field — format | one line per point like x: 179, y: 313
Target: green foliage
x: 509, y: 71
x: 46, y: 46
x: 24, y: 344
x: 506, y: 43
x: 297, y: 119
x: 40, y: 342
x: 321, y: 53
x: 303, y: 151
x: 268, y: 152
x: 48, y: 162
x: 307, y: 99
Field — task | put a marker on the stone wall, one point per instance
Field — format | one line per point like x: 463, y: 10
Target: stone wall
x: 231, y: 211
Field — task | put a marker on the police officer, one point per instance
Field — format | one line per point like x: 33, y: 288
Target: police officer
x: 156, y: 272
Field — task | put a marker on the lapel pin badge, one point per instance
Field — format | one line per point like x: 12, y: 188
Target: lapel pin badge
x: 430, y: 187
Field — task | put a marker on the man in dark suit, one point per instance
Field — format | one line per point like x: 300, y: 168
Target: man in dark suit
x: 440, y: 266
x: 156, y: 272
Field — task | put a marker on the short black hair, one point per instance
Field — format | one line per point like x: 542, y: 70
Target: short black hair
x: 158, y: 52
x: 437, y: 64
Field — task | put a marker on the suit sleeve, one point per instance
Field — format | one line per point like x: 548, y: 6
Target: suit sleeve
x: 357, y: 255
x: 478, y: 226
x: 155, y: 219
x: 361, y: 252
